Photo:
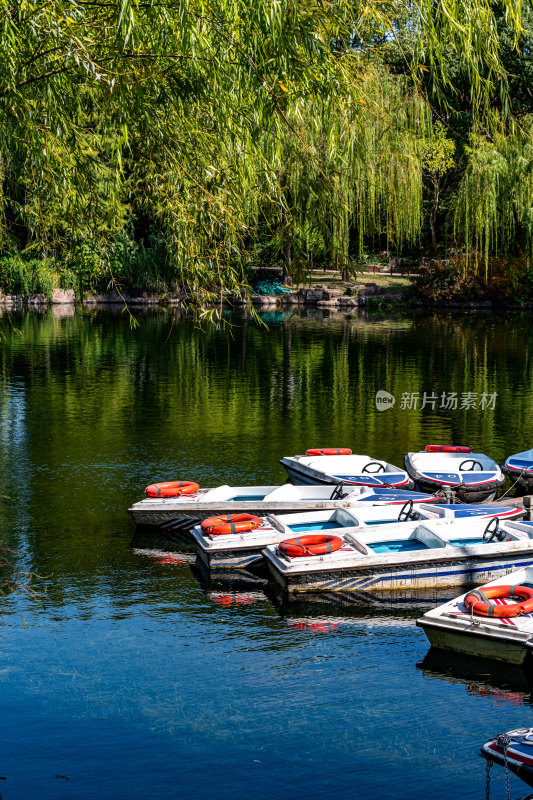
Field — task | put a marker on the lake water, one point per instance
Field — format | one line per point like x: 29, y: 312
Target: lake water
x: 121, y: 675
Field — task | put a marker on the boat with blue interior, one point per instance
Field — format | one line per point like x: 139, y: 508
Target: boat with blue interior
x: 230, y: 542
x: 176, y: 511
x: 494, y: 621
x: 448, y: 552
x: 340, y: 465
x: 473, y: 477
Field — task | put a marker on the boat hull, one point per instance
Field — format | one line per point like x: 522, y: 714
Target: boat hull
x: 471, y: 642
x: 181, y: 520
x: 519, y: 469
x: 465, y: 494
x: 522, y: 485
x: 230, y: 559
x: 443, y: 573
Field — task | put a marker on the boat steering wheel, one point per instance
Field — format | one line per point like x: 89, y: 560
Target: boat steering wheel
x: 338, y: 493
x: 492, y: 531
x: 472, y: 461
x: 406, y: 512
x: 380, y: 468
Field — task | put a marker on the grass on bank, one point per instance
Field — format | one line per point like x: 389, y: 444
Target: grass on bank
x: 391, y: 284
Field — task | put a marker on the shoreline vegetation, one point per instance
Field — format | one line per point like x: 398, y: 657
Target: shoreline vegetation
x: 172, y: 149
x: 404, y: 285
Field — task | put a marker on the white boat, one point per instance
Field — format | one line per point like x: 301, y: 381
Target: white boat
x: 358, y: 470
x: 454, y: 626
x: 413, y: 555
x: 241, y: 550
x: 473, y: 477
x: 519, y: 468
x: 179, y: 514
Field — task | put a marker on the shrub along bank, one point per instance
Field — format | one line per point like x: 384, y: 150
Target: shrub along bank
x: 89, y: 269
x: 140, y: 271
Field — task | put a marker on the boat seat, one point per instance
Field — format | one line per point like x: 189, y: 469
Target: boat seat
x: 397, y: 546
x: 287, y: 492
x: 325, y: 525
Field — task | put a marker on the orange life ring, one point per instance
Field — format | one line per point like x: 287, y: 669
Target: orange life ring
x: 230, y: 523
x: 447, y: 448
x: 312, y: 545
x: 171, y: 489
x: 329, y: 451
x: 479, y: 601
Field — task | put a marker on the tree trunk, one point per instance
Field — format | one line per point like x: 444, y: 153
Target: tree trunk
x: 433, y: 217
x: 287, y: 260
x: 287, y: 249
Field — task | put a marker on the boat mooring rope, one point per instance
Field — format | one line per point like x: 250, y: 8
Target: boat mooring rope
x: 449, y: 495
x: 516, y: 481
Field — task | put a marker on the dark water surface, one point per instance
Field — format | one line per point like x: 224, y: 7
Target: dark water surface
x: 123, y: 677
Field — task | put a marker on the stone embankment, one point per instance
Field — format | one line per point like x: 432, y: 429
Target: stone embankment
x: 59, y: 297
x: 318, y: 296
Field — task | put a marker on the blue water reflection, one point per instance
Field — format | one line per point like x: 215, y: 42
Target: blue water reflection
x: 124, y: 675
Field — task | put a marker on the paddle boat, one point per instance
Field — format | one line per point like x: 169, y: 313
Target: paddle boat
x: 224, y: 543
x: 473, y: 477
x: 514, y: 751
x: 340, y: 465
x: 411, y: 555
x: 177, y: 508
x: 494, y: 621
x: 519, y: 468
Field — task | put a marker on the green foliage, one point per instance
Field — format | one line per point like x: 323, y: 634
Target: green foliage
x: 494, y: 209
x: 90, y: 267
x: 26, y: 276
x: 438, y: 151
x: 86, y: 263
x: 141, y: 265
x: 122, y: 263
x: 211, y: 118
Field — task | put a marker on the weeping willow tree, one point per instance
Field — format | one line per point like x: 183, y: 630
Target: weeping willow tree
x: 182, y: 109
x: 494, y: 211
x: 352, y: 168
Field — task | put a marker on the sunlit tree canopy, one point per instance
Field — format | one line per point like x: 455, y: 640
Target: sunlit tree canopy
x: 206, y: 122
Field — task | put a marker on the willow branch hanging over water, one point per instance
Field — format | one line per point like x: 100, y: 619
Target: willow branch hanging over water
x: 205, y: 116
x: 354, y: 169
x: 495, y: 200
